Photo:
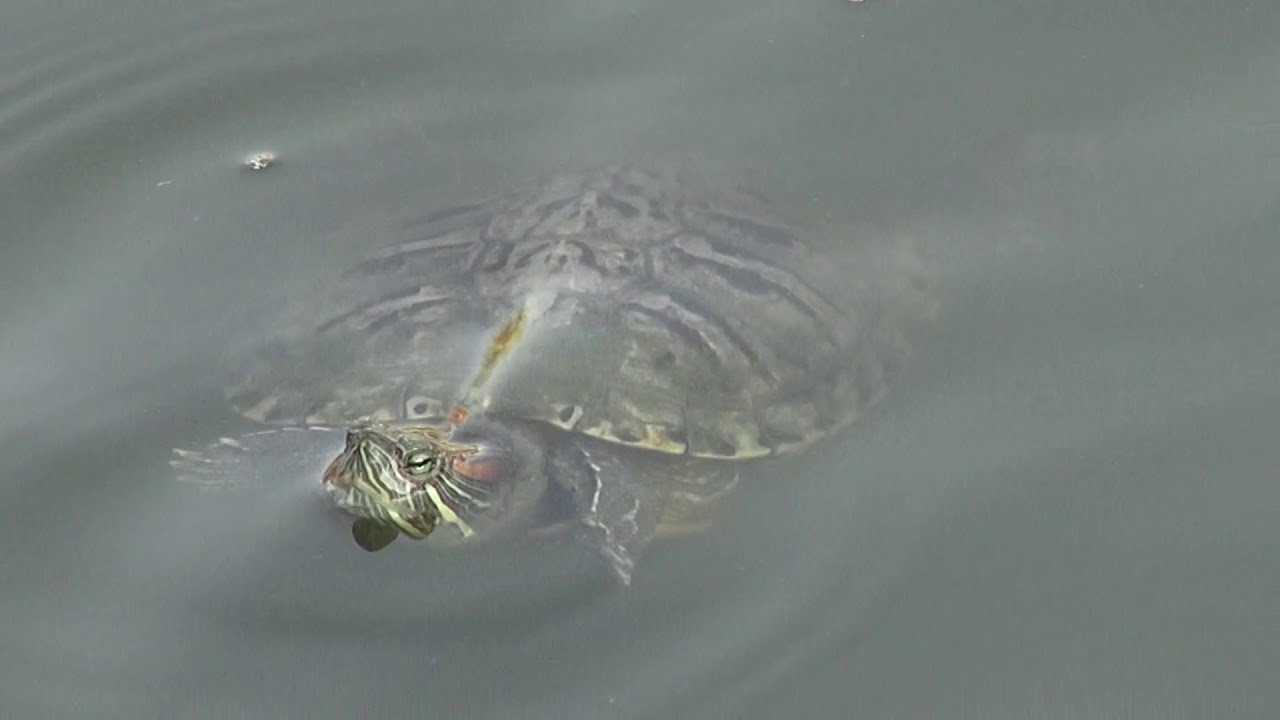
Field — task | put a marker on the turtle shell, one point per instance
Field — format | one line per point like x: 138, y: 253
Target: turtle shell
x: 633, y: 307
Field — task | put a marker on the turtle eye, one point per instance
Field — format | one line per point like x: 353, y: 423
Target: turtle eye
x: 419, y: 463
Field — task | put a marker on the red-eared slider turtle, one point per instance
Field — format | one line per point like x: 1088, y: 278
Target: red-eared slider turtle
x: 602, y: 352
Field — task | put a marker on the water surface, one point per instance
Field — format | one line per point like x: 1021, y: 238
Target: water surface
x: 1068, y: 509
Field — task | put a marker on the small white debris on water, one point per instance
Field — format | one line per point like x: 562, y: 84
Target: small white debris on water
x: 260, y: 161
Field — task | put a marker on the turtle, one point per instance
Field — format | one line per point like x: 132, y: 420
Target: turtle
x: 600, y: 352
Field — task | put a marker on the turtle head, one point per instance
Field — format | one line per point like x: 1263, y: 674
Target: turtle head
x: 419, y: 478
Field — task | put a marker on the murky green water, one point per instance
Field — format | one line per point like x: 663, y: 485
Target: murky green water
x: 1069, y: 509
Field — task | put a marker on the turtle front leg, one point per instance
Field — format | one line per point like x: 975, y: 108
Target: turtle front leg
x: 618, y: 507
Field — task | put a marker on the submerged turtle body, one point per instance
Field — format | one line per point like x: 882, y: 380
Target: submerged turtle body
x: 603, y: 350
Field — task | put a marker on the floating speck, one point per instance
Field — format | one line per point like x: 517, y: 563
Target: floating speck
x: 260, y: 161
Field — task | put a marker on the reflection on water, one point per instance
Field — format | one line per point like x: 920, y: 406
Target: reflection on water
x: 1068, y: 508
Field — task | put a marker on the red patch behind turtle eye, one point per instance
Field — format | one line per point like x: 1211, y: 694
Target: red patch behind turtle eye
x: 481, y: 469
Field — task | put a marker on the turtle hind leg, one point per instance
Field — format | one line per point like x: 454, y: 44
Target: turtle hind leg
x: 695, y: 490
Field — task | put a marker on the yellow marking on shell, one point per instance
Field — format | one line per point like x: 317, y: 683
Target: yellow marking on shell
x: 746, y: 447
x: 504, y: 342
x: 658, y: 437
x: 499, y: 347
x: 736, y: 429
x: 603, y: 431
